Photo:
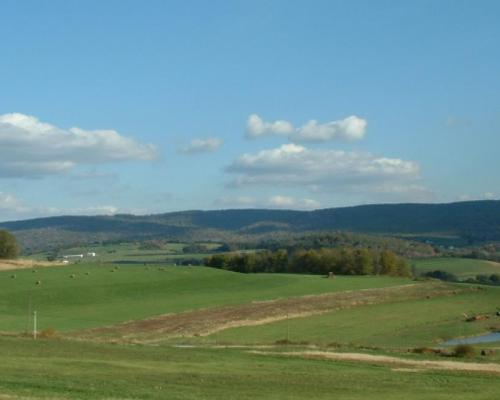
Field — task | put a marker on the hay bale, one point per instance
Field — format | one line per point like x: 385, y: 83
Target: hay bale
x: 38, y: 282
x: 13, y: 276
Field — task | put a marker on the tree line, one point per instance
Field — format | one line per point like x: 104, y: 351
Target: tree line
x: 344, y: 261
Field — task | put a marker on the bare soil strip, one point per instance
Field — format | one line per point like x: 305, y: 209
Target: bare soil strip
x: 6, y: 265
x: 379, y: 359
x: 207, y: 321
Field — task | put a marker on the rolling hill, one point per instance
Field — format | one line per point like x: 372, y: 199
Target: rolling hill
x: 471, y: 222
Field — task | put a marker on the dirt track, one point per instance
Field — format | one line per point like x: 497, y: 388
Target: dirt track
x: 207, y: 321
x: 6, y: 265
x: 379, y: 359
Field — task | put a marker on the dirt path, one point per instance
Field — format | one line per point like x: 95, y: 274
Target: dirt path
x: 207, y: 321
x: 379, y: 359
x: 6, y: 265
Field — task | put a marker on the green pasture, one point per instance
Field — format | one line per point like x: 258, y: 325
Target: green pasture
x: 90, y: 295
x: 59, y: 369
x: 397, y: 325
x: 461, y: 267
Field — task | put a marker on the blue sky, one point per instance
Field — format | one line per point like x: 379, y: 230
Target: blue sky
x: 154, y: 106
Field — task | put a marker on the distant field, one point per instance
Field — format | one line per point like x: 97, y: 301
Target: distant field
x: 129, y: 252
x: 461, y: 267
x: 110, y: 294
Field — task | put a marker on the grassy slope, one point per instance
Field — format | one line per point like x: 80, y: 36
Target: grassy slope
x: 461, y: 267
x: 404, y: 324
x: 104, y: 297
x: 58, y: 369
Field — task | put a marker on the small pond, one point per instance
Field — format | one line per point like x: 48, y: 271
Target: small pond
x: 486, y: 338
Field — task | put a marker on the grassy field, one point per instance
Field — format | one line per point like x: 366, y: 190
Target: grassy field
x: 400, y: 324
x: 58, y: 369
x: 461, y: 267
x: 110, y: 294
x: 347, y: 314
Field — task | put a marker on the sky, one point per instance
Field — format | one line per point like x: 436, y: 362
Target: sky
x: 153, y: 106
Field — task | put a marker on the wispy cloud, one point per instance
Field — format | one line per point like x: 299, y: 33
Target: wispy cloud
x: 202, y: 145
x: 277, y: 201
x: 12, y: 208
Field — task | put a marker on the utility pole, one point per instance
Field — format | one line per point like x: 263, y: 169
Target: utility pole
x: 34, y: 325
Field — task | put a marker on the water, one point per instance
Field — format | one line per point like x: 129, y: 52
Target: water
x: 487, y: 338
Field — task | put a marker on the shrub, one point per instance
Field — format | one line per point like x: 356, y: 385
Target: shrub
x: 48, y: 333
x: 442, y: 275
x: 464, y: 350
x: 426, y: 350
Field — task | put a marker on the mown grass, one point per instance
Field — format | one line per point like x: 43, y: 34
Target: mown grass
x: 59, y: 369
x: 108, y: 295
x: 460, y: 267
x: 400, y: 324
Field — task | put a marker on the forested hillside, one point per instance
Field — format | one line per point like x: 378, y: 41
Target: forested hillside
x: 467, y: 222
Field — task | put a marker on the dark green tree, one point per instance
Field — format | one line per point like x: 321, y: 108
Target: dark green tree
x: 8, y: 245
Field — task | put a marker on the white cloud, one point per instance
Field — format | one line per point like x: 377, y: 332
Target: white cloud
x: 327, y: 170
x: 207, y: 145
x: 350, y: 128
x: 290, y: 202
x: 484, y: 196
x: 31, y: 148
x: 9, y: 203
x: 256, y: 127
x: 278, y: 201
x: 12, y: 208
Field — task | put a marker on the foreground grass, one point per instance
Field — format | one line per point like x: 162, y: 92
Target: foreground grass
x: 84, y: 296
x: 460, y: 267
x: 59, y: 369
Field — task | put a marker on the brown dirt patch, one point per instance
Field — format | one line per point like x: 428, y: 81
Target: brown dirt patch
x: 207, y: 321
x: 380, y: 359
x: 6, y: 265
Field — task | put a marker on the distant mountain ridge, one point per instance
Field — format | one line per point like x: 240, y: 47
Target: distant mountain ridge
x: 472, y: 220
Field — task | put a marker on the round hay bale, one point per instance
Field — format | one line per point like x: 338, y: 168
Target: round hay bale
x: 38, y: 282
x: 13, y: 276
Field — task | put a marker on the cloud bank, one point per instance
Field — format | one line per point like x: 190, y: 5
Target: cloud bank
x: 30, y: 148
x: 327, y: 170
x: 350, y: 128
